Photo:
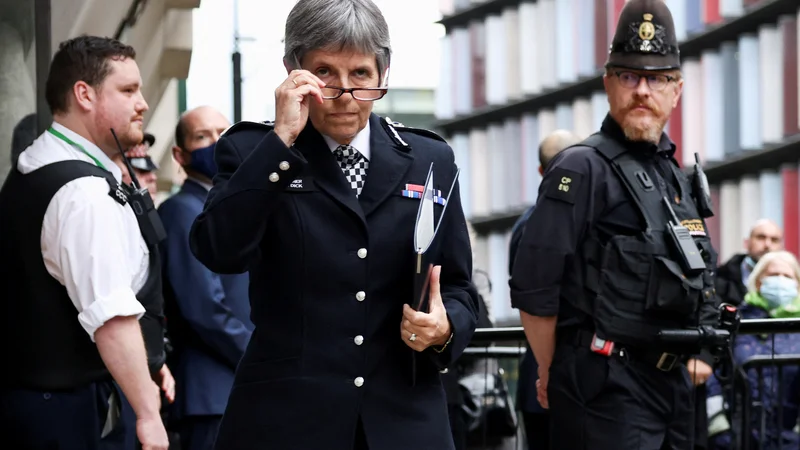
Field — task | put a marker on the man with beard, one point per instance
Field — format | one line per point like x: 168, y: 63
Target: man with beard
x: 83, y: 273
x: 598, y: 274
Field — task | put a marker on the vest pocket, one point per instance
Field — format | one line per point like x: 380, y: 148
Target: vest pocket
x: 669, y: 290
x: 624, y: 277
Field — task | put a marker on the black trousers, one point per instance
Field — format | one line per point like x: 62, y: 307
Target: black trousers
x: 614, y: 403
x: 537, y: 430
x: 199, y: 432
x: 66, y: 420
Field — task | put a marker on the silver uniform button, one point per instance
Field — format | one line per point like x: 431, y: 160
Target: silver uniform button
x: 284, y: 165
x: 359, y: 381
x: 359, y: 339
x: 362, y: 253
x: 361, y: 295
x: 274, y: 177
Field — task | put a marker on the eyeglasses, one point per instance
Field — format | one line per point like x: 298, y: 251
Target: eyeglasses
x: 363, y: 94
x: 655, y: 82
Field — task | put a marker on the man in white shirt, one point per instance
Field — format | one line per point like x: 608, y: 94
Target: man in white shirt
x: 80, y: 282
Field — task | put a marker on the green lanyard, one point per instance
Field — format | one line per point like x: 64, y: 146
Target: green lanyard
x: 57, y: 134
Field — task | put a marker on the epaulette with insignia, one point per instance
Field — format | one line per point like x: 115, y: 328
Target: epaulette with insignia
x: 420, y: 131
x: 246, y: 123
x: 390, y: 128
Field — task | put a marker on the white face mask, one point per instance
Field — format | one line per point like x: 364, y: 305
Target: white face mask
x: 778, y: 291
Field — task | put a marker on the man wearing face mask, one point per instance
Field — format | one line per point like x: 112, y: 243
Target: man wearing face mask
x: 208, y: 313
x: 731, y: 282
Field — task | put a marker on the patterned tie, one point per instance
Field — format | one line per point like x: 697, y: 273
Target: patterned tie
x: 354, y: 166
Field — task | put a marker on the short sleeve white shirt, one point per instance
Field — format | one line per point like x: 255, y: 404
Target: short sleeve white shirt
x: 90, y: 243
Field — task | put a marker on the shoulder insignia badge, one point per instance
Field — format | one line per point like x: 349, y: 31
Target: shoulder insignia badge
x: 117, y: 192
x: 563, y: 185
x: 397, y: 126
x: 390, y: 128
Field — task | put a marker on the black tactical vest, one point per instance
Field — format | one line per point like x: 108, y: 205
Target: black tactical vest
x: 636, y: 285
x: 45, y: 344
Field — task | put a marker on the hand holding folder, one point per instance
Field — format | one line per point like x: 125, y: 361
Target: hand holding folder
x: 425, y: 321
x: 425, y: 233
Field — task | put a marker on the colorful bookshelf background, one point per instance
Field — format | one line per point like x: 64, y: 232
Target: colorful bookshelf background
x: 515, y: 70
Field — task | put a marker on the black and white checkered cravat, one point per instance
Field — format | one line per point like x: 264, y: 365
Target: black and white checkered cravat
x: 354, y: 166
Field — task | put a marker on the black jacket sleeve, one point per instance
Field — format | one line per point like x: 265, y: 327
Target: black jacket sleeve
x: 226, y: 235
x: 571, y: 198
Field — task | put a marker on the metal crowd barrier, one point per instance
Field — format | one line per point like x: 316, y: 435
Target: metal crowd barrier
x: 500, y: 351
x: 759, y: 419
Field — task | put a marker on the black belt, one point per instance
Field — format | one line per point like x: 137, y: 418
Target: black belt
x: 664, y: 361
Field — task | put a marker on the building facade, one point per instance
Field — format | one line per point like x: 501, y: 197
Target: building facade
x: 515, y: 70
x: 31, y: 30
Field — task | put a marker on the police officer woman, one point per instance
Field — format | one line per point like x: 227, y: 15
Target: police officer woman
x: 316, y: 208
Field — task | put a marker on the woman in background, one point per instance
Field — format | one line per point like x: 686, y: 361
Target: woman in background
x: 772, y: 293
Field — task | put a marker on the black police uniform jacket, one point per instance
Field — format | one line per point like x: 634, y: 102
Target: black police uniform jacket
x: 329, y: 274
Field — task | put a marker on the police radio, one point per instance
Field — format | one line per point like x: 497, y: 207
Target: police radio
x: 142, y: 204
x: 690, y: 258
x: 701, y: 191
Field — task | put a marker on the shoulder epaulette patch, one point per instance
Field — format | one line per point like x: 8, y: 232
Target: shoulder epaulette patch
x: 117, y: 192
x: 563, y: 184
x: 419, y: 131
x: 390, y: 128
x: 246, y: 123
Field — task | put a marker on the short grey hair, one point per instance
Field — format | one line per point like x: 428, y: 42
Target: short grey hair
x: 336, y: 25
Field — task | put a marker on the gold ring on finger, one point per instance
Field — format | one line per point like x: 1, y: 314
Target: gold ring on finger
x: 294, y: 80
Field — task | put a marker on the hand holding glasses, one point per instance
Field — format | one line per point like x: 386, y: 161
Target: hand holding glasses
x: 293, y: 95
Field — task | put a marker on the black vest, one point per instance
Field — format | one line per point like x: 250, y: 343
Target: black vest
x: 635, y: 286
x: 46, y: 345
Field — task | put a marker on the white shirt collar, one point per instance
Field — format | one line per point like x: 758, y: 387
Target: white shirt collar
x: 204, y: 184
x: 90, y: 148
x: 360, y: 142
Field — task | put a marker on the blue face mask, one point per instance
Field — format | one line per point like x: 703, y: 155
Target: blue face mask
x: 203, y: 161
x: 778, y: 291
x: 750, y: 262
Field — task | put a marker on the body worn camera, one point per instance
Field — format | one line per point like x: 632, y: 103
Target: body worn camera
x: 690, y: 258
x: 702, y: 193
x: 142, y: 204
x: 149, y: 222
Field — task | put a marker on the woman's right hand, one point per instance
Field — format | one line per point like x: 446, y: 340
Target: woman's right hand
x: 292, y: 99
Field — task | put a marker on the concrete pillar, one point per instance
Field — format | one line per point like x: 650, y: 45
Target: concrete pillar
x: 17, y: 89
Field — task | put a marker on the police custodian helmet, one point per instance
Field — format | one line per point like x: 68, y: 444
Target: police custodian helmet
x: 645, y: 38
